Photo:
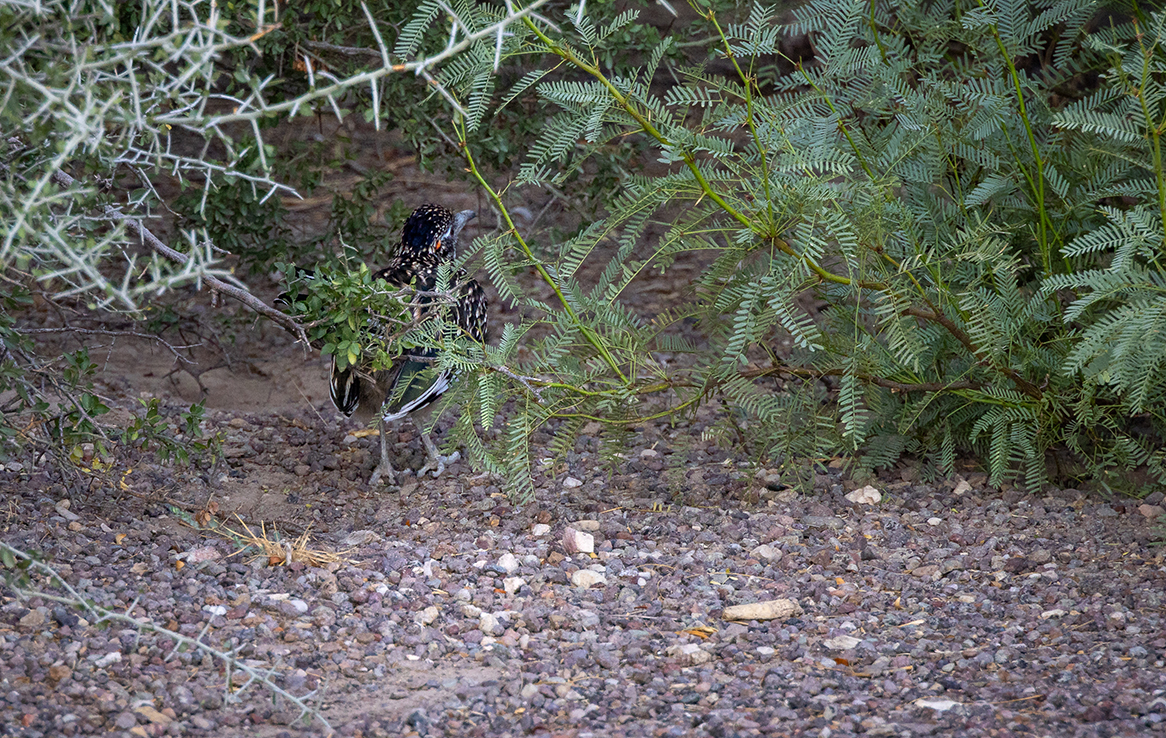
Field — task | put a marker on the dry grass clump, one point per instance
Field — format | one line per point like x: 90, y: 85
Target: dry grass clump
x: 282, y: 551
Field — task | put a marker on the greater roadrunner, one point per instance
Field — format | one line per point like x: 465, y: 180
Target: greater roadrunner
x: 428, y: 239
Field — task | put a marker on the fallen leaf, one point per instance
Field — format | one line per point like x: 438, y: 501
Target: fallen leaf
x: 119, y: 538
x: 366, y: 432
x: 179, y: 564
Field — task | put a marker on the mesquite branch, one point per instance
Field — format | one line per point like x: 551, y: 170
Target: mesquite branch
x: 242, y: 295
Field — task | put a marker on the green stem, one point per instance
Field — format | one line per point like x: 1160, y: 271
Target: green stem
x: 1043, y: 223
x: 1155, y: 132
x: 632, y: 421
x: 749, y: 115
x: 841, y: 125
x: 591, y: 336
x: 688, y: 159
x: 874, y: 29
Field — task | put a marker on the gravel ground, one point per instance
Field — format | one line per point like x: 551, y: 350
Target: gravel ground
x: 946, y: 608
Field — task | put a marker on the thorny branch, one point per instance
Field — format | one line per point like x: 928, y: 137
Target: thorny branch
x: 242, y: 295
x: 175, y: 350
x: 102, y: 615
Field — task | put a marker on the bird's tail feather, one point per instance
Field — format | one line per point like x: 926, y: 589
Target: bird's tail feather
x: 344, y: 387
x: 415, y: 386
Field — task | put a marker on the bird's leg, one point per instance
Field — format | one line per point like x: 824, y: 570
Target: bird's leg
x: 384, y: 469
x: 436, y: 461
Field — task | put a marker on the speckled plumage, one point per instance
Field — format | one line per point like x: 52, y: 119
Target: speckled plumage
x: 428, y: 239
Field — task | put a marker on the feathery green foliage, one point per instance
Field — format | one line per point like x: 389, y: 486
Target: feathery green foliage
x: 937, y: 229
x: 974, y: 212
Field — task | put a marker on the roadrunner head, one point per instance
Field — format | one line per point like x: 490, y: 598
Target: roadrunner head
x: 431, y: 229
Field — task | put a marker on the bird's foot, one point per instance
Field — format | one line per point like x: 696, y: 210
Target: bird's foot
x: 383, y: 473
x: 437, y: 463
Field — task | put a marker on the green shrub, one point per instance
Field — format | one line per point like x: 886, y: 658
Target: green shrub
x: 973, y: 194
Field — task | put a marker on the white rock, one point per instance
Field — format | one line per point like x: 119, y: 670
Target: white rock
x: 585, y: 578
x: 936, y: 704
x: 538, y: 530
x: 962, y: 487
x: 934, y: 521
x: 508, y: 563
x: 690, y: 652
x: 767, y: 610
x: 200, y: 554
x: 649, y: 453
x: 841, y: 643
x: 471, y: 611
x: 427, y: 616
x: 361, y: 538
x: 63, y: 510
x: 1055, y: 613
x: 588, y: 618
x: 1151, y: 511
x: 529, y: 691
x: 489, y: 624
x: 572, y: 482
x: 214, y: 610
x: 110, y: 658
x: 766, y: 651
x: 868, y: 495
x: 765, y: 552
x: 576, y: 541
x: 349, y: 440
x: 587, y: 525
x: 513, y: 584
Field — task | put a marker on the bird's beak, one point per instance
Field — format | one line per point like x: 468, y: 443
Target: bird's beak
x: 460, y: 220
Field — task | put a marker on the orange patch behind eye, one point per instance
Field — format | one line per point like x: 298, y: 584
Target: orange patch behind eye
x: 437, y: 246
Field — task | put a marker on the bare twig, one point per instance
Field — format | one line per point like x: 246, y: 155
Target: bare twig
x: 524, y: 381
x: 346, y: 50
x: 102, y: 615
x: 240, y: 294
x: 255, y: 108
x: 106, y: 332
x: 1021, y: 383
x: 891, y: 384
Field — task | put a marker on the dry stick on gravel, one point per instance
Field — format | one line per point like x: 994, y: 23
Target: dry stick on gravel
x: 113, y: 214
x: 74, y: 599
